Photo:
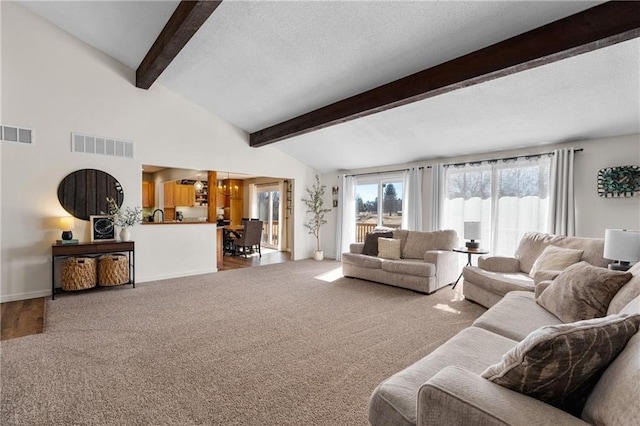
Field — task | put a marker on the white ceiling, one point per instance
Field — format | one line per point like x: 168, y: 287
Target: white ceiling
x: 259, y: 63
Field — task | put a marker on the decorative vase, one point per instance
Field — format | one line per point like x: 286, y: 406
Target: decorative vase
x: 125, y: 234
x: 318, y: 255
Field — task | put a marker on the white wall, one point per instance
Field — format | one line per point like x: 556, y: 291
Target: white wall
x: 593, y: 213
x: 56, y: 84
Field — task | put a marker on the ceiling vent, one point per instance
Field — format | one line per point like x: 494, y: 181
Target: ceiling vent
x: 16, y: 134
x: 101, y: 145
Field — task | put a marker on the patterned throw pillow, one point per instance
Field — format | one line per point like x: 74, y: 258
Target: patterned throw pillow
x: 389, y: 248
x: 554, y: 258
x: 582, y: 291
x: 560, y: 364
x: 371, y: 242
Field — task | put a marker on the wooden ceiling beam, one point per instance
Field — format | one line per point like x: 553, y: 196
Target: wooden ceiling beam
x: 183, y: 24
x: 592, y: 29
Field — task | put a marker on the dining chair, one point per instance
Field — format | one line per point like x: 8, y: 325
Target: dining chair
x: 250, y: 238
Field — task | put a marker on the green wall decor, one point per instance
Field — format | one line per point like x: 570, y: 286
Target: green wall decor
x: 620, y: 181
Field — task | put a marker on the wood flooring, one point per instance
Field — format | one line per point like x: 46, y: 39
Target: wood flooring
x: 21, y: 318
x: 26, y: 317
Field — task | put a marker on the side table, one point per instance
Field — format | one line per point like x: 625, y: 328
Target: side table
x: 469, y: 252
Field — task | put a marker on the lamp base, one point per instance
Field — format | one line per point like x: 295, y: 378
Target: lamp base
x: 619, y: 265
x: 472, y: 244
x: 67, y: 235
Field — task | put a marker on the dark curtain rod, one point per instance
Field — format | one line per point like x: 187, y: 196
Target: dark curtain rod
x: 387, y: 171
x: 467, y: 162
x: 505, y: 159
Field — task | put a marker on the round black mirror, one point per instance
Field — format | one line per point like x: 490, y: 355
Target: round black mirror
x: 84, y: 192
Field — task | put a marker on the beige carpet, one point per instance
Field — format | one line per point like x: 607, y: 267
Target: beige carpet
x: 291, y: 343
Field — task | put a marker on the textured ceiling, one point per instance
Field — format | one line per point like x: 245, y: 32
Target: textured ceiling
x: 259, y: 63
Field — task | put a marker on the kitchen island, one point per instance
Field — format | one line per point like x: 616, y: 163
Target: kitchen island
x: 175, y: 249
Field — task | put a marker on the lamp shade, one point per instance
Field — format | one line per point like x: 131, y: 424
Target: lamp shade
x: 67, y: 223
x: 622, y: 245
x: 472, y: 230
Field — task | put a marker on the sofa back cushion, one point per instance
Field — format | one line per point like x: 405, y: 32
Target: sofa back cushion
x: 419, y: 242
x: 401, y: 234
x: 533, y: 244
x: 614, y: 399
x: 628, y: 292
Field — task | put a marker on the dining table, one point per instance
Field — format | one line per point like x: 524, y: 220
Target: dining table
x: 231, y: 233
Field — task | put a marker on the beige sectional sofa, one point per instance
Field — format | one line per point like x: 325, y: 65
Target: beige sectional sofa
x: 446, y: 386
x: 426, y: 264
x: 495, y: 276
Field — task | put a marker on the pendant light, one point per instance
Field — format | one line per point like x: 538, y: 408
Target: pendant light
x: 198, y: 185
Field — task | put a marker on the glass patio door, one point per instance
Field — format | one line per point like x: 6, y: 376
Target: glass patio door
x: 268, y: 204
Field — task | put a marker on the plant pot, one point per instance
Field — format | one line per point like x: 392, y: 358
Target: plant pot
x: 125, y: 234
x: 318, y: 255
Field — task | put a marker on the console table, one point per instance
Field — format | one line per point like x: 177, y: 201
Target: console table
x: 93, y: 250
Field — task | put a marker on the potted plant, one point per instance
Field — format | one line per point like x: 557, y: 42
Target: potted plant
x: 315, y: 206
x: 124, y: 218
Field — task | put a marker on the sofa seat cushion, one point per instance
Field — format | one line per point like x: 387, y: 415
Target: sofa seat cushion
x: 362, y: 260
x: 394, y: 402
x: 418, y: 268
x: 499, y: 283
x: 516, y: 316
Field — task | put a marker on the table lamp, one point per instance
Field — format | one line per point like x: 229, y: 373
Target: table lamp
x: 472, y: 232
x: 67, y: 225
x: 623, y: 247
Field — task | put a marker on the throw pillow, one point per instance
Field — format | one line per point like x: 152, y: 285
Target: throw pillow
x: 371, y: 242
x: 389, y: 248
x: 554, y: 258
x: 560, y: 364
x: 582, y: 291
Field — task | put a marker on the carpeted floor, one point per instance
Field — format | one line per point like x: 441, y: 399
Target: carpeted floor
x: 291, y: 343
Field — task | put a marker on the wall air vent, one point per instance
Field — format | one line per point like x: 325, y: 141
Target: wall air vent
x: 101, y: 145
x: 16, y: 134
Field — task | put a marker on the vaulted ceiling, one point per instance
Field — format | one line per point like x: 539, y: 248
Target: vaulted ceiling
x: 258, y: 64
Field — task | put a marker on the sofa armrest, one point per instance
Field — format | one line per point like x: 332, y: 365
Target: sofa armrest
x: 499, y: 264
x: 455, y: 396
x: 446, y: 263
x: 545, y: 275
x: 356, y: 248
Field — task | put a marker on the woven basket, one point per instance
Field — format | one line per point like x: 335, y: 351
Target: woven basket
x: 78, y: 273
x: 113, y: 270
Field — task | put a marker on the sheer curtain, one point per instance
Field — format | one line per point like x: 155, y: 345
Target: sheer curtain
x: 346, y: 221
x: 436, y: 194
x: 508, y: 198
x: 562, y: 219
x: 412, y: 200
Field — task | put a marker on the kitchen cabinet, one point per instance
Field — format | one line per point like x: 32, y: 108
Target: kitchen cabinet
x: 185, y: 195
x: 148, y: 194
x: 177, y: 195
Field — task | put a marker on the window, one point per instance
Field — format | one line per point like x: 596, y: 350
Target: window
x: 370, y: 212
x: 508, y: 197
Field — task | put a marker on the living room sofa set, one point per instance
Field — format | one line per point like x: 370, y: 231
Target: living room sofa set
x: 563, y: 348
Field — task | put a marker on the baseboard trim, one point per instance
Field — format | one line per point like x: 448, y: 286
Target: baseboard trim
x: 25, y: 296
x: 148, y: 278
